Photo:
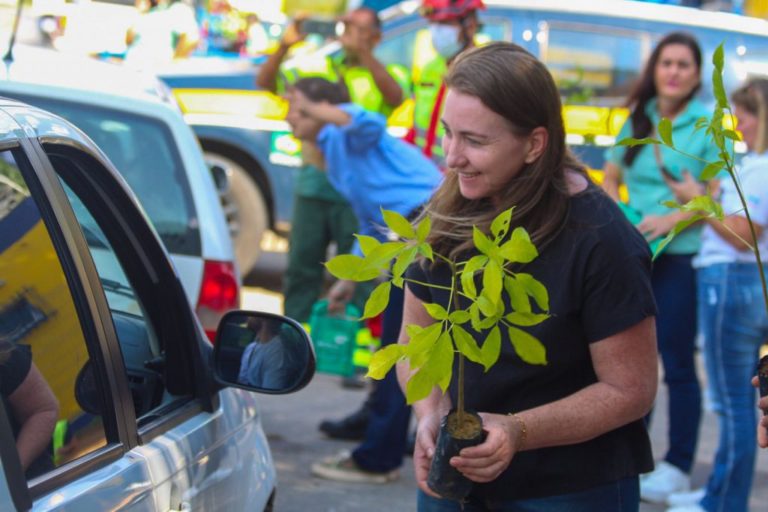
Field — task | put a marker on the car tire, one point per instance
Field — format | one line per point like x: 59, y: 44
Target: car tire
x: 246, y: 212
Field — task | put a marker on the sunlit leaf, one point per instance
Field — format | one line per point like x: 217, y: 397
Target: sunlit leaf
x: 382, y: 255
x: 491, y: 348
x: 493, y: 281
x: 351, y: 267
x: 719, y: 89
x: 474, y: 316
x: 424, y: 339
x: 535, y: 289
x: 519, y: 248
x: 631, y: 141
x: 665, y: 131
x: 419, y: 386
x: 422, y: 230
x: 436, y: 311
x: 482, y: 242
x: 398, y: 224
x: 467, y: 276
x: 525, y: 319
x: 378, y: 300
x: 467, y: 345
x: 500, y: 224
x: 718, y: 58
x: 730, y: 134
x: 403, y: 260
x: 426, y: 250
x: 711, y: 170
x: 383, y: 360
x: 486, y: 305
x: 518, y: 297
x: 367, y: 243
x: 529, y: 349
x: 440, y: 363
x: 460, y: 316
x: 680, y: 226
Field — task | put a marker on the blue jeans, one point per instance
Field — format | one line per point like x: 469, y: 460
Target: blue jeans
x: 674, y: 287
x: 383, y: 448
x: 620, y: 496
x: 734, y: 323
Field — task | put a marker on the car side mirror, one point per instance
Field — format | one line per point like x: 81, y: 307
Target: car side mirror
x: 262, y: 352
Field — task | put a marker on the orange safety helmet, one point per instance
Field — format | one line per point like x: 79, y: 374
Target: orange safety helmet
x: 447, y: 10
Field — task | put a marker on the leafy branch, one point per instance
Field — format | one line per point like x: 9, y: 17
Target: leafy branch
x: 494, y: 297
x: 705, y: 207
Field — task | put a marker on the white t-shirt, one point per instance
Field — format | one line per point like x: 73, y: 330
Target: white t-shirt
x: 753, y: 176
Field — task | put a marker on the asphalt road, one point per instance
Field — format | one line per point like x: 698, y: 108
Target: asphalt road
x: 290, y: 422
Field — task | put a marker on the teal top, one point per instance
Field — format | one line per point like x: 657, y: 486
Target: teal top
x: 645, y: 183
x: 313, y: 182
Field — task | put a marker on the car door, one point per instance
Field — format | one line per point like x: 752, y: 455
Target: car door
x: 141, y: 425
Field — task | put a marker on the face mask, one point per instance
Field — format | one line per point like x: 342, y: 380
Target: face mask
x: 445, y: 39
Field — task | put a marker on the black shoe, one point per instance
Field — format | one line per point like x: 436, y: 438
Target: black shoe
x: 351, y: 428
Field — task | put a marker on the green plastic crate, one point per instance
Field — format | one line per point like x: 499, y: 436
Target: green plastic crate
x: 333, y: 337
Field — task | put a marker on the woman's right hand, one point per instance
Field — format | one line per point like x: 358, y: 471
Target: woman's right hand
x: 292, y: 33
x: 762, y: 423
x: 424, y: 450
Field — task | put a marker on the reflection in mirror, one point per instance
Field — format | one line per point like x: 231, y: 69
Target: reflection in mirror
x: 263, y: 352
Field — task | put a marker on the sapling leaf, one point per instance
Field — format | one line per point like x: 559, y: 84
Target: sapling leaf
x: 423, y: 229
x: 492, y: 282
x: 398, y: 224
x: 486, y: 305
x: 474, y: 316
x: 436, y: 311
x: 665, y: 131
x: 488, y: 322
x: 419, y: 386
x: 351, y: 267
x: 525, y: 319
x: 382, y: 255
x: 466, y: 344
x: 482, y: 242
x: 467, y: 276
x: 458, y: 317
x: 491, y: 348
x: 426, y: 250
x: 403, y: 260
x: 383, y: 360
x: 711, y: 170
x: 500, y: 224
x: 377, y: 300
x: 730, y: 134
x: 529, y: 349
x: 440, y: 363
x: 680, y: 226
x: 718, y: 58
x: 535, y: 289
x: 631, y: 141
x: 424, y: 339
x: 519, y: 248
x: 518, y: 296
x: 717, y: 77
x: 367, y: 243
x: 702, y: 122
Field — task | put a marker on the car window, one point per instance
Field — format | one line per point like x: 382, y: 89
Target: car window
x: 143, y: 151
x: 591, y: 64
x: 38, y: 318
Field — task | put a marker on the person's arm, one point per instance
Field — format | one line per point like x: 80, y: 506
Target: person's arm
x: 762, y: 423
x: 624, y: 392
x: 390, y: 89
x: 322, y: 111
x: 430, y: 410
x: 611, y: 180
x: 36, y: 410
x: 267, y: 77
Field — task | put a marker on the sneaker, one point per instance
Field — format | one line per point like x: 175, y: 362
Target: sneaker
x: 343, y: 468
x: 679, y: 499
x: 351, y: 428
x: 687, y: 508
x: 663, y: 481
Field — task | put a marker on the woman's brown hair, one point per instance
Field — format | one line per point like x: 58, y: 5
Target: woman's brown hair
x: 753, y: 97
x: 515, y: 85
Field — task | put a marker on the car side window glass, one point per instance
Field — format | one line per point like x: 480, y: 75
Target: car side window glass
x: 592, y: 64
x: 42, y: 344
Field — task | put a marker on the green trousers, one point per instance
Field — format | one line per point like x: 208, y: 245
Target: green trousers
x: 316, y: 224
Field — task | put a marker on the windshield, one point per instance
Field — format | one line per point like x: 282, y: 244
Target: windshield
x: 143, y: 151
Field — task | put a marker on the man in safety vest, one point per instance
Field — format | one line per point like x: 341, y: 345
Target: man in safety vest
x: 321, y: 215
x: 452, y: 25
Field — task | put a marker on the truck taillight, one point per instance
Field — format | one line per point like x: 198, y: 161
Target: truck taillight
x: 219, y: 293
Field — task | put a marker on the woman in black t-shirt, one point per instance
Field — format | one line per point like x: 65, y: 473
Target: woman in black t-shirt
x: 567, y: 435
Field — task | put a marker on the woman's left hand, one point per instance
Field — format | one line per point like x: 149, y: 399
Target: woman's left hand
x: 655, y: 226
x: 486, y: 461
x: 686, y: 189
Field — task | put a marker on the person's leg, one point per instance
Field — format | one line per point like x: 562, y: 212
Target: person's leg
x: 734, y: 333
x: 426, y: 503
x: 620, y: 496
x: 385, y: 439
x: 674, y: 286
x: 344, y: 225
x: 303, y: 280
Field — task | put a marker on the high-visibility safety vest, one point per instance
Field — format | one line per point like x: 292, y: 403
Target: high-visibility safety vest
x: 427, y: 109
x: 359, y: 81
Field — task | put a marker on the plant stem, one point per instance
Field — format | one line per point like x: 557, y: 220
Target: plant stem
x: 460, y: 383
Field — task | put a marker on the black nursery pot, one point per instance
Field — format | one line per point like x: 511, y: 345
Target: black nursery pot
x: 443, y: 478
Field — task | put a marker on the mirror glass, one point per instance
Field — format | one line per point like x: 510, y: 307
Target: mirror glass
x: 262, y: 352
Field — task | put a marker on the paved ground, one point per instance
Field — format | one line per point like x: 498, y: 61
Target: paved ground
x: 291, y: 424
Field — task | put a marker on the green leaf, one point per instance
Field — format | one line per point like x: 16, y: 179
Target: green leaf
x: 459, y: 317
x: 367, y: 243
x: 719, y: 90
x: 704, y: 204
x: 467, y: 345
x: 486, y: 305
x: 378, y: 300
x: 403, y: 260
x: 351, y: 267
x: 474, y: 316
x: 519, y: 248
x: 535, y: 289
x: 529, y: 349
x: 631, y: 141
x: 424, y: 339
x: 419, y: 386
x: 491, y: 348
x: 518, y: 297
x: 718, y: 58
x: 467, y: 275
x: 493, y: 281
x: 680, y: 226
x: 525, y: 319
x: 665, y: 131
x: 382, y: 360
x: 382, y: 255
x: 436, y: 311
x: 398, y: 224
x: 487, y: 323
x: 702, y: 122
x: 440, y: 363
x: 500, y: 224
x: 423, y: 229
x: 730, y: 134
x: 711, y: 170
x: 426, y: 250
x: 482, y: 242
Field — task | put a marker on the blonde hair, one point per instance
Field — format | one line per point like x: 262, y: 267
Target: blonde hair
x: 753, y: 97
x: 515, y: 85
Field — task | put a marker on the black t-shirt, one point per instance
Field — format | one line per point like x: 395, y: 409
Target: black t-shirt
x: 597, y: 272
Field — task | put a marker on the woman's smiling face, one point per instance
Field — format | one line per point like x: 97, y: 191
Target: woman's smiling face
x: 480, y: 147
